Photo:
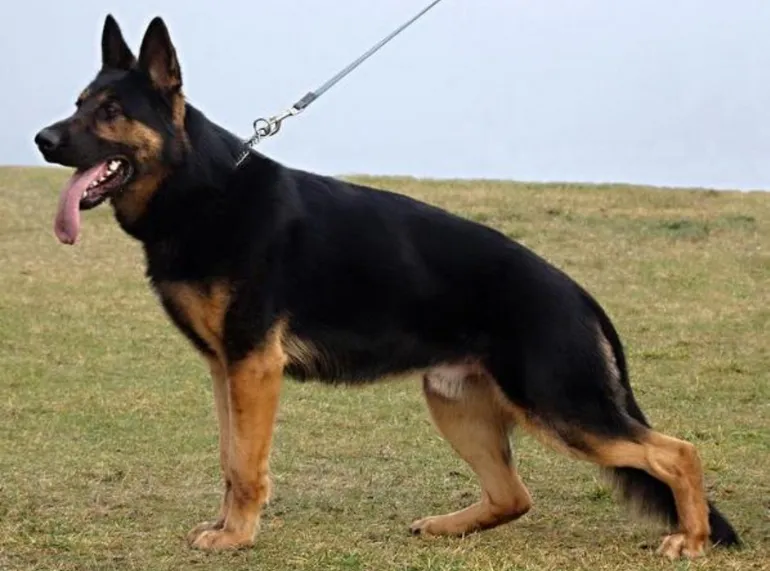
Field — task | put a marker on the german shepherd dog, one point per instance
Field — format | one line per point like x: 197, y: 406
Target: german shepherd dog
x: 269, y: 271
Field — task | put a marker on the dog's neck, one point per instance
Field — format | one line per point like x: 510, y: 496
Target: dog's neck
x: 195, y: 185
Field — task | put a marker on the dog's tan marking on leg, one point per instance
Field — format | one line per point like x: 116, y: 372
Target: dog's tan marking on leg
x: 253, y: 388
x: 222, y: 405
x: 203, y: 310
x: 677, y: 464
x: 674, y: 462
x: 519, y: 417
x: 470, y: 419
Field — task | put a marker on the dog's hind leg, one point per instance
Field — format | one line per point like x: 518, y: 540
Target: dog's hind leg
x: 673, y: 462
x: 651, y: 458
x: 221, y: 402
x: 466, y: 411
x: 579, y: 401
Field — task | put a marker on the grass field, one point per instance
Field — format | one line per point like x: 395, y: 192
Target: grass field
x: 108, y: 439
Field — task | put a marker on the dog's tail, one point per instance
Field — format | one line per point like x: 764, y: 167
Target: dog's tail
x: 648, y: 494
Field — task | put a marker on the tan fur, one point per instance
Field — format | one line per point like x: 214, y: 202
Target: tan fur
x: 253, y: 392
x: 672, y: 461
x: 302, y: 353
x: 449, y: 380
x: 246, y: 399
x: 618, y: 390
x: 609, y: 357
x: 222, y: 406
x: 146, y: 142
x: 203, y: 311
x: 178, y: 113
x: 478, y: 430
x: 519, y: 417
x: 131, y: 201
x: 161, y: 66
x: 677, y: 464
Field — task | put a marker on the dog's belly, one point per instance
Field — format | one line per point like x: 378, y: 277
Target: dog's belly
x: 348, y: 359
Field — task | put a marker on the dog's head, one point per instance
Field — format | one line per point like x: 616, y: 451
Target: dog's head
x: 126, y: 133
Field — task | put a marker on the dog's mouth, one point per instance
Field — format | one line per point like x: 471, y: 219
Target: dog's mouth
x: 86, y: 189
x: 112, y: 175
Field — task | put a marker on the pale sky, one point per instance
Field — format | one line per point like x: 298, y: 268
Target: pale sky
x: 665, y: 92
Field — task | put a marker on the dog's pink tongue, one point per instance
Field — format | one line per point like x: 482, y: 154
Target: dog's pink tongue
x: 67, y: 223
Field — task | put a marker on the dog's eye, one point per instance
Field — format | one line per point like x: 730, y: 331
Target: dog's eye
x: 109, y: 110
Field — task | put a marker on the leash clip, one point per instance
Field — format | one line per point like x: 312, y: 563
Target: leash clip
x: 264, y: 128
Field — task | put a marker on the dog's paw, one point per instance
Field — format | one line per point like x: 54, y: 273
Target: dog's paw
x: 219, y: 539
x: 437, y: 525
x: 417, y: 527
x: 679, y: 545
x: 193, y: 534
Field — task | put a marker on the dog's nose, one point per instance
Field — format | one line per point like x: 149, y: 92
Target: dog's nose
x: 48, y: 139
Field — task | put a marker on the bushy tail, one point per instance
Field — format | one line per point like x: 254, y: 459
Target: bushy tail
x: 653, y: 498
x: 647, y: 494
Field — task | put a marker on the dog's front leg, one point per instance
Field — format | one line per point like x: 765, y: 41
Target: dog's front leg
x: 253, y: 387
x: 222, y: 405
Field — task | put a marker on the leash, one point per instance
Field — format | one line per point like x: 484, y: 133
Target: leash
x: 267, y: 127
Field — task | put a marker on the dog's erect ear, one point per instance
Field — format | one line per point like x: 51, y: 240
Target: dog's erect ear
x: 157, y: 57
x: 115, y: 52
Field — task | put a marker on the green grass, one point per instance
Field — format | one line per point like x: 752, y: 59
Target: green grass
x: 108, y: 439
